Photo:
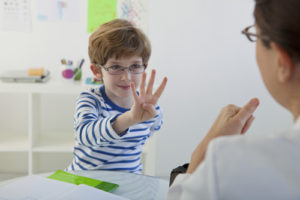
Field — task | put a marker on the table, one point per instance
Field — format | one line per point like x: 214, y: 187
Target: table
x: 131, y: 186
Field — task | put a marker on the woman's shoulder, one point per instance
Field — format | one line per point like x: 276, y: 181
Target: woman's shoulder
x: 257, y: 139
x: 256, y: 162
x: 247, y: 147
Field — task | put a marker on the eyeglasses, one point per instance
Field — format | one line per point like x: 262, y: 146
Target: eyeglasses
x: 251, y: 34
x: 118, y: 70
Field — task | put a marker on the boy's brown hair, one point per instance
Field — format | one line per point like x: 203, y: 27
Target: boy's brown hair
x: 118, y: 38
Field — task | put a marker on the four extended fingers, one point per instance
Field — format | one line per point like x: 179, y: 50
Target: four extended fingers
x: 133, y: 91
x: 151, y: 82
x: 142, y: 84
x: 149, y: 89
x: 161, y: 88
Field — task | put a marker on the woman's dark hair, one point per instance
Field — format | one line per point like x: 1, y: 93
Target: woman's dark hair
x: 280, y: 21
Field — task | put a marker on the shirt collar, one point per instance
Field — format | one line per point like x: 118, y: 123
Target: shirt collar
x: 297, y: 124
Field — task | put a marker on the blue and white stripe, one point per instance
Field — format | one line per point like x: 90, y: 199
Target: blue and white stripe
x: 97, y: 145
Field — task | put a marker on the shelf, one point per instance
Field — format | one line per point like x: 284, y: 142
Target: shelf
x: 53, y: 86
x: 37, y: 126
x: 9, y: 176
x: 48, y: 162
x: 54, y: 142
x: 13, y: 164
x: 14, y: 143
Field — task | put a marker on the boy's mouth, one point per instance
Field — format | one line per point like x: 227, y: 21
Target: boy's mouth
x: 124, y: 87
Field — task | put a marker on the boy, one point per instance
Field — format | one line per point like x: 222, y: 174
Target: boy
x: 113, y: 122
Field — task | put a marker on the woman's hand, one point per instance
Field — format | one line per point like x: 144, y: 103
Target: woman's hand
x: 232, y: 120
x: 143, y: 108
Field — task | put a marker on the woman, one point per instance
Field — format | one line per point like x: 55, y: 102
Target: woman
x: 254, y: 167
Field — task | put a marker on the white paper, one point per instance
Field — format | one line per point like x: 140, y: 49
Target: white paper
x: 33, y: 187
x: 86, y: 192
x: 40, y: 188
x: 135, y: 11
x: 58, y: 10
x: 15, y: 15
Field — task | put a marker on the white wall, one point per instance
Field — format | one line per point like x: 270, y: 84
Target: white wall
x: 46, y: 44
x: 196, y: 43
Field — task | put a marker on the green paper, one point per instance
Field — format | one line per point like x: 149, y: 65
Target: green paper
x: 77, y: 180
x: 100, y: 12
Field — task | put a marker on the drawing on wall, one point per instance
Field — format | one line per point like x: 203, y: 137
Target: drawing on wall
x: 15, y: 15
x: 58, y: 10
x: 136, y: 11
x: 99, y: 12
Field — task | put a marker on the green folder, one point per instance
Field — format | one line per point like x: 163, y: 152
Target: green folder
x: 77, y: 180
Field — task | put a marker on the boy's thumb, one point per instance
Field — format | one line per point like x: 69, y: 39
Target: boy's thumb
x: 246, y: 112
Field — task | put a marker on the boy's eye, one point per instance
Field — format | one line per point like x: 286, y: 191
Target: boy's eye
x: 136, y: 66
x: 115, y: 67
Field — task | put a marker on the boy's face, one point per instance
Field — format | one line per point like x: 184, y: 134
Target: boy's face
x: 117, y: 87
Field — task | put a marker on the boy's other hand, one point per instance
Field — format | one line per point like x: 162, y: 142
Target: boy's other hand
x: 143, y: 108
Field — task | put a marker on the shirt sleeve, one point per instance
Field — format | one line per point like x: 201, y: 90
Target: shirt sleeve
x: 201, y: 184
x: 158, y: 119
x: 92, y: 128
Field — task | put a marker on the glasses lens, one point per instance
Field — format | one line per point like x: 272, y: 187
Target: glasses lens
x: 136, y: 69
x: 115, y: 69
x: 251, y: 34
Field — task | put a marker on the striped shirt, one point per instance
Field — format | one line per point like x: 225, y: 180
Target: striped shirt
x: 97, y: 145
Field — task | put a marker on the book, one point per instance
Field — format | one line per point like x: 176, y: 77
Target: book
x: 24, y: 77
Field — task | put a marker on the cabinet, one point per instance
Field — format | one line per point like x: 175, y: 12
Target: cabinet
x: 36, y: 128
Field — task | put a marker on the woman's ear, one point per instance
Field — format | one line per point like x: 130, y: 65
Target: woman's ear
x: 285, y: 63
x: 96, y: 71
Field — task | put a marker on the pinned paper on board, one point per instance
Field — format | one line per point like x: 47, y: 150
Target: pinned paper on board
x: 100, y: 12
x: 135, y: 11
x: 15, y: 15
x: 58, y: 10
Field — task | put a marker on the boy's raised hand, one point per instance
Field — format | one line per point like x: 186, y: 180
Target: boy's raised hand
x: 143, y: 108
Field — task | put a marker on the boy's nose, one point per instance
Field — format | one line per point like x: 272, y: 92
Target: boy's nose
x: 126, y: 75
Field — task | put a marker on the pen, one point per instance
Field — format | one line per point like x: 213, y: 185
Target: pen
x: 81, y: 63
x: 63, y: 61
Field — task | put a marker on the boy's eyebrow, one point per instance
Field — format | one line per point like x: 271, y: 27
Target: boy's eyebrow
x: 117, y: 62
x: 114, y: 62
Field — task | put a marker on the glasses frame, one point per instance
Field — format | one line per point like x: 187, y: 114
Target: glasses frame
x: 122, y: 69
x: 246, y: 32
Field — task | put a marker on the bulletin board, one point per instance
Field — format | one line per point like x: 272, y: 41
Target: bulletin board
x: 17, y: 15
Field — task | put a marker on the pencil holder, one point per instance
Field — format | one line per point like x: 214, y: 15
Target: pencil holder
x: 77, y: 74
x: 68, y: 72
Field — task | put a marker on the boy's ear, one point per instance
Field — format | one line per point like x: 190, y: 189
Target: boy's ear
x: 146, y: 65
x: 96, y: 71
x: 285, y: 64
